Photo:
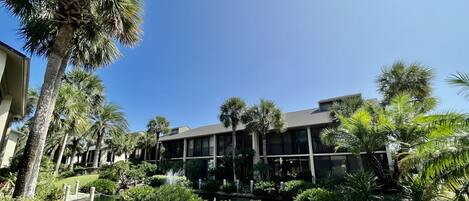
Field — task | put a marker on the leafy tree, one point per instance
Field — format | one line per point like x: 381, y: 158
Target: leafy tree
x: 347, y: 106
x: 262, y: 118
x: 146, y: 141
x: 414, y: 79
x: 158, y: 126
x: 124, y: 144
x: 82, y: 32
x: 107, y: 121
x: 363, y: 131
x: 231, y: 112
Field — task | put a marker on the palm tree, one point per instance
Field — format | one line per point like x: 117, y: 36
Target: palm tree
x: 62, y: 31
x: 347, y: 106
x: 230, y: 115
x: 109, y: 120
x: 461, y: 80
x: 363, y: 131
x: 124, y: 144
x: 413, y: 79
x: 158, y: 126
x: 146, y: 141
x: 262, y: 118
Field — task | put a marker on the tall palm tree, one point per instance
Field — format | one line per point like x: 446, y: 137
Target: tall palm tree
x: 158, y: 126
x: 109, y: 120
x: 262, y: 118
x: 124, y: 144
x: 231, y: 112
x: 414, y: 79
x: 461, y: 80
x: 363, y: 131
x: 62, y: 31
x: 146, y: 141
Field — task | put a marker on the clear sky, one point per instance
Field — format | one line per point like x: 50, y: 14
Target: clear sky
x: 196, y: 53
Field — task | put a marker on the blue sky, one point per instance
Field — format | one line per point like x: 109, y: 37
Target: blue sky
x: 195, y: 54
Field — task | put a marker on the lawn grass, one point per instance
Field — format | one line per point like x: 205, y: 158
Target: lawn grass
x: 84, y: 179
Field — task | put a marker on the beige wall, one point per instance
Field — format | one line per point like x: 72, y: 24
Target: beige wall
x: 9, y: 148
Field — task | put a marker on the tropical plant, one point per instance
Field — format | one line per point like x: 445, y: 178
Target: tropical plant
x: 137, y: 193
x: 265, y: 188
x: 231, y: 112
x: 294, y: 187
x: 82, y: 32
x: 158, y: 126
x: 461, y: 80
x: 173, y: 193
x: 318, y: 194
x: 361, y: 185
x: 107, y: 121
x: 262, y: 118
x: 347, y: 106
x: 414, y: 79
x: 124, y: 144
x: 104, y: 186
x: 417, y: 189
x: 146, y: 142
x: 364, y: 131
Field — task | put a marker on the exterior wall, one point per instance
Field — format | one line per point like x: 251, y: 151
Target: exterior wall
x: 296, y: 154
x: 9, y: 149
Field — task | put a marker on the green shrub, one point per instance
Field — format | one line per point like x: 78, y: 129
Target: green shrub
x: 138, y: 193
x: 104, y: 186
x: 211, y: 186
x: 317, y: 194
x: 294, y: 187
x: 228, y: 187
x: 173, y: 193
x: 148, y: 168
x: 79, y: 170
x: 158, y: 180
x: 109, y: 174
x: 46, y: 188
x: 361, y: 186
x: 67, y: 174
x: 264, y: 188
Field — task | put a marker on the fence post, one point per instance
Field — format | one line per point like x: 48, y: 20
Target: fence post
x: 77, y: 186
x: 237, y: 185
x: 92, y: 193
x: 281, y: 184
x: 200, y: 184
x: 251, y: 186
x: 224, y: 182
x: 67, y: 192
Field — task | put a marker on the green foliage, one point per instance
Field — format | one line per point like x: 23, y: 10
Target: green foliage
x: 414, y: 79
x: 173, y: 193
x: 104, y: 186
x: 347, y: 106
x: 229, y: 187
x: 194, y: 168
x: 461, y: 80
x: 294, y: 187
x: 158, y: 180
x: 361, y: 186
x: 415, y: 188
x: 262, y: 169
x: 46, y: 188
x: 109, y: 173
x: 264, y: 188
x: 148, y: 168
x: 212, y: 186
x: 137, y: 193
x: 318, y: 194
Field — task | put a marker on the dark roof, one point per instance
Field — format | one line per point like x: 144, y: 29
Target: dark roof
x: 340, y: 98
x: 293, y: 119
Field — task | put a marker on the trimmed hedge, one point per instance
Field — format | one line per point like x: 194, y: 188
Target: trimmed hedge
x: 264, y: 188
x: 173, y: 193
x: 295, y: 187
x: 138, y: 193
x: 104, y: 186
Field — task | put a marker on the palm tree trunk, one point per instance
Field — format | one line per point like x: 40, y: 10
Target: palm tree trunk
x: 233, y: 155
x: 264, y: 148
x: 157, y: 150
x: 61, y: 153
x: 74, y: 153
x: 145, y: 154
x: 87, y: 153
x: 27, y: 175
x: 96, y: 158
x: 375, y: 165
x: 52, y: 153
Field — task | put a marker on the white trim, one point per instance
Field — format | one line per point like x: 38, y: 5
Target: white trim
x: 286, y: 155
x: 199, y: 157
x: 345, y: 153
x: 311, y: 155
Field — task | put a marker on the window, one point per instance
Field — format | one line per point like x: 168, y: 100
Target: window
x: 224, y: 146
x: 354, y: 163
x: 174, y: 149
x: 291, y: 142
x: 338, y: 166
x: 199, y: 147
x: 274, y: 144
x: 318, y: 146
x: 322, y: 166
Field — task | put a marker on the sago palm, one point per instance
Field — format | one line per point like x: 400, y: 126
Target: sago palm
x: 81, y: 31
x: 158, y: 126
x: 363, y: 131
x: 231, y: 112
x: 108, y: 120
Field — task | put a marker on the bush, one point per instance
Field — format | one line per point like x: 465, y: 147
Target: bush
x: 104, y: 186
x: 148, y: 168
x: 109, y: 174
x: 361, y: 186
x: 67, y: 174
x: 138, y: 193
x: 228, y: 187
x: 158, y: 180
x: 173, y: 193
x: 264, y: 188
x: 211, y: 186
x: 294, y: 187
x: 46, y: 188
x: 317, y: 194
